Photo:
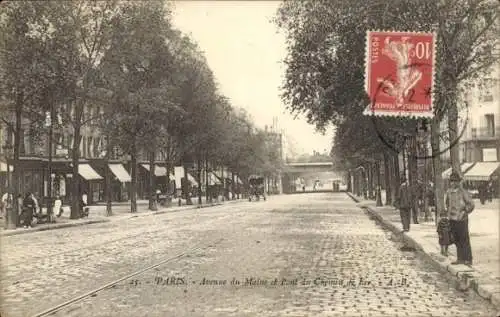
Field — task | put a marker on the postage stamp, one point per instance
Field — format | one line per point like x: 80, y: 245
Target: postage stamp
x: 399, y: 74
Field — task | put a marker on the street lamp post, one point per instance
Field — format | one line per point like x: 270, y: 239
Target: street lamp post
x: 51, y: 180
x: 10, y: 212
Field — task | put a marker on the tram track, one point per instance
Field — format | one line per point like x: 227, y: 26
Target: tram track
x: 106, y: 242
x: 90, y: 246
x: 197, y: 247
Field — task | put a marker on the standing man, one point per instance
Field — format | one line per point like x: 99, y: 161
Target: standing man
x: 458, y: 206
x: 404, y: 203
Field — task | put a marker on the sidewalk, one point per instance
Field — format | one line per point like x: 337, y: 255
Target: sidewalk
x: 484, y: 275
x: 120, y: 210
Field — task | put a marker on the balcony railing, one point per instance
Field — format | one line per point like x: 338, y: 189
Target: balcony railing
x: 485, y: 133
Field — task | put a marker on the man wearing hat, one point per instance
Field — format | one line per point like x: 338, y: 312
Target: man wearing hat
x: 404, y: 203
x: 458, y: 207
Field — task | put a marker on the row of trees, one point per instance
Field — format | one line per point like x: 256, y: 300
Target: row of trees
x: 325, y: 77
x: 153, y: 84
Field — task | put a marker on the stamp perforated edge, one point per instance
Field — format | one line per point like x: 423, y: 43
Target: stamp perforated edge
x: 407, y: 114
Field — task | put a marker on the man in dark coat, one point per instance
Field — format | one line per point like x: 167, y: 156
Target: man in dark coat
x: 404, y: 203
x: 29, y: 207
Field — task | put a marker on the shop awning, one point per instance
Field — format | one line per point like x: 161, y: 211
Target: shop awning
x: 464, y: 167
x: 3, y: 167
x: 87, y: 172
x: 159, y: 170
x: 192, y: 180
x: 120, y: 172
x: 481, y: 171
x: 219, y: 175
x: 213, y: 180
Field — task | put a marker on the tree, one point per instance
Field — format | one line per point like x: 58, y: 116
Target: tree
x: 325, y: 65
x: 138, y: 69
x: 29, y: 81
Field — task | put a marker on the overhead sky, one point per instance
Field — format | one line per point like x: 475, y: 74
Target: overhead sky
x: 245, y: 52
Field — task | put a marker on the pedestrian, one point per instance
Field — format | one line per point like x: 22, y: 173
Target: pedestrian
x: 83, y: 205
x: 490, y: 191
x: 6, y: 203
x: 415, y: 205
x: 28, y: 210
x: 482, y: 192
x: 403, y: 203
x: 445, y: 235
x: 431, y: 199
x: 458, y: 206
x: 36, y: 209
x: 58, y: 206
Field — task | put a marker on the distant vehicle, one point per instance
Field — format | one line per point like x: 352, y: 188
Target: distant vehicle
x: 256, y: 187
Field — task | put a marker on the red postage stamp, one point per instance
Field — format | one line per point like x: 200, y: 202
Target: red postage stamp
x: 399, y: 75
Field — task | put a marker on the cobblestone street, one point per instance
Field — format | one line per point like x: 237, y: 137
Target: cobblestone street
x: 295, y: 255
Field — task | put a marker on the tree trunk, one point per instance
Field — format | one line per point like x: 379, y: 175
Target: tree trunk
x: 403, y: 152
x: 387, y: 175
x: 75, y: 188
x: 152, y: 183
x: 358, y: 182
x: 349, y: 187
x: 198, y: 172
x: 364, y: 182
x: 369, y: 170
x: 207, y: 191
x: 186, y: 185
x: 168, y: 167
x: 453, y: 135
x: 378, y: 192
x: 437, y: 169
x: 223, y: 183
x: 397, y: 175
x: 107, y: 177
x: 133, y: 183
x: 412, y: 173
x: 16, y: 175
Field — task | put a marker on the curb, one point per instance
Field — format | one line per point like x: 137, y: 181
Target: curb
x: 465, y: 277
x: 194, y: 206
x: 53, y: 227
x: 89, y: 222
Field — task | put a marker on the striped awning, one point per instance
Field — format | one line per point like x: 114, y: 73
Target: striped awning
x: 120, y: 172
x: 213, y: 179
x: 481, y: 171
x: 464, y: 168
x: 238, y: 180
x: 87, y: 172
x: 159, y: 170
x: 192, y: 180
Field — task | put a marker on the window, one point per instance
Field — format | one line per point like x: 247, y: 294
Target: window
x: 95, y: 147
x: 89, y: 146
x: 490, y: 124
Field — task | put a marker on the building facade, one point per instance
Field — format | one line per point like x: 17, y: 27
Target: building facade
x: 480, y: 142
